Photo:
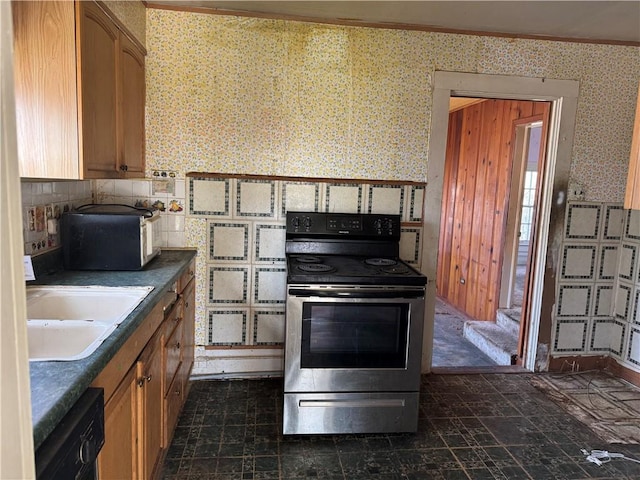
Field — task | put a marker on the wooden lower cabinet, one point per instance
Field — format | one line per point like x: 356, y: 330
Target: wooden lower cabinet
x: 142, y: 406
x: 179, y: 355
x: 150, y: 393
x: 118, y: 458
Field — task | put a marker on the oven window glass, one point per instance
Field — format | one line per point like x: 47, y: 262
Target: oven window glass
x: 347, y: 335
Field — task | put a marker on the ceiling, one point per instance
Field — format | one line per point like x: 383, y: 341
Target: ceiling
x: 595, y: 21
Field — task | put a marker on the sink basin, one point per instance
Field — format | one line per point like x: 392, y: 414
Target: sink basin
x: 69, y: 323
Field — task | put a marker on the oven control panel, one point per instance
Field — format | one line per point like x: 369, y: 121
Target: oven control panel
x: 322, y: 224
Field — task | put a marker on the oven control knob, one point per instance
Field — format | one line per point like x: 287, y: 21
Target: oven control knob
x: 295, y: 222
x: 307, y: 223
x: 389, y: 225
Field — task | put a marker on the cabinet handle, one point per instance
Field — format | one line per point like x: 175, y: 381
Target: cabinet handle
x: 178, y: 345
x: 124, y: 168
x: 177, y: 392
x: 148, y: 379
x: 141, y: 382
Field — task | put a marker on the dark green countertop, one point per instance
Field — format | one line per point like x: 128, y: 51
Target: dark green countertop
x: 56, y: 386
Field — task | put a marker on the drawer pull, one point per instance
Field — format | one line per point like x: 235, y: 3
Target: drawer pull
x: 178, y: 345
x: 176, y: 392
x: 148, y: 379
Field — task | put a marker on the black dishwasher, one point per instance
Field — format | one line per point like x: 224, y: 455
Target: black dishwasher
x: 71, y: 450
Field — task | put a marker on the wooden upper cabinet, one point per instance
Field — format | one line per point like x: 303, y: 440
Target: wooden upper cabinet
x: 45, y: 89
x: 132, y: 146
x: 79, y: 93
x: 98, y: 61
x: 632, y: 197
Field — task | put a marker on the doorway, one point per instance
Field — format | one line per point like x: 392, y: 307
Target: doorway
x: 551, y: 206
x: 493, y: 152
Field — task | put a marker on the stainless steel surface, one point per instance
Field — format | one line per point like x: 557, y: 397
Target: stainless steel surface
x: 336, y: 413
x: 299, y: 379
x: 354, y: 322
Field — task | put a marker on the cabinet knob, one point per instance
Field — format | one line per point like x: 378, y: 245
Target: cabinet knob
x: 177, y: 345
x: 124, y: 168
x: 141, y: 382
x: 148, y: 378
x: 177, y: 392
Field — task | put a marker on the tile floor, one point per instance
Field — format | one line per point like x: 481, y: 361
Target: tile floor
x: 482, y: 426
x: 450, y: 348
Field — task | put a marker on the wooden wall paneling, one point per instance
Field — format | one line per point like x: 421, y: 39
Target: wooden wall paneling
x: 515, y: 110
x: 448, y: 203
x: 465, y: 199
x: 478, y: 177
x: 487, y: 253
x: 477, y: 270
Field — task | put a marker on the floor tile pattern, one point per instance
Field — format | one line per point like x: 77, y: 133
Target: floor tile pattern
x: 609, y: 405
x: 483, y: 426
x: 450, y: 348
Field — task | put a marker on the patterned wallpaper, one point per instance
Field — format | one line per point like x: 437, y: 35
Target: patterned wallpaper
x: 132, y: 13
x: 273, y: 97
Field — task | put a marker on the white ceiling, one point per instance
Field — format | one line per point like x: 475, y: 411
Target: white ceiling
x: 600, y: 21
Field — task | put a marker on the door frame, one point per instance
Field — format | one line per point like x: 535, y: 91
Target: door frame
x: 520, y: 142
x: 563, y: 95
x: 16, y: 432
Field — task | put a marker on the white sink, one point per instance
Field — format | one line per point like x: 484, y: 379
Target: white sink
x: 69, y: 323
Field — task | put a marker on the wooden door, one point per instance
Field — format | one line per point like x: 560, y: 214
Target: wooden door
x: 151, y: 393
x: 475, y: 203
x: 98, y: 47
x: 131, y: 102
x: 118, y: 457
x: 45, y: 89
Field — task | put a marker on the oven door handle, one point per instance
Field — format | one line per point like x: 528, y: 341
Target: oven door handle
x: 300, y: 292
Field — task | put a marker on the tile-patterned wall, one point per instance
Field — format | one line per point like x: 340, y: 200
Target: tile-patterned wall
x: 626, y: 304
x: 243, y: 256
x: 598, y: 286
x: 275, y: 97
x: 42, y: 205
x: 163, y: 193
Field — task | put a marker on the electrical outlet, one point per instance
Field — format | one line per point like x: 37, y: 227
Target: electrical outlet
x: 576, y: 192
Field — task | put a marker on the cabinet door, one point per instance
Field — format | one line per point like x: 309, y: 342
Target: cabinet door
x: 188, y: 321
x: 45, y: 88
x: 172, y: 330
x: 132, y: 146
x: 118, y: 457
x: 151, y: 394
x: 98, y: 42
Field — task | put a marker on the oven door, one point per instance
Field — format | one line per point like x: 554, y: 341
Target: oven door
x: 353, y: 339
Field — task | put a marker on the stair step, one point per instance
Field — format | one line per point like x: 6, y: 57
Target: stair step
x: 509, y: 319
x: 500, y: 344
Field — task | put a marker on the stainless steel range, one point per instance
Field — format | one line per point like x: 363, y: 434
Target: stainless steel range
x: 354, y: 321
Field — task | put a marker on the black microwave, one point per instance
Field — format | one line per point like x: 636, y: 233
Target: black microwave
x: 109, y: 237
